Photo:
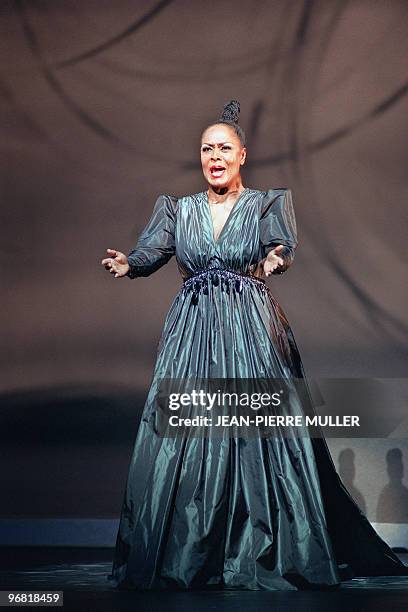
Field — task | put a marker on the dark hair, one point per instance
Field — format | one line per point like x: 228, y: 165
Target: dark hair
x: 230, y: 116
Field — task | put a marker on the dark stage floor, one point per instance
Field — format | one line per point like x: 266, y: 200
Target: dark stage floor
x: 81, y: 574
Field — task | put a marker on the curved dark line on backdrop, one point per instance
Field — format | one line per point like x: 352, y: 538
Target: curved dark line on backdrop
x: 130, y: 30
x: 324, y: 42
x: 53, y: 82
x: 378, y: 110
x: 311, y: 228
x: 132, y: 73
x: 252, y: 132
x: 395, y: 97
x: 293, y: 82
x: 372, y: 308
x: 326, y: 141
x: 376, y: 313
x: 347, y: 72
x: 8, y: 96
x: 254, y: 64
x: 258, y: 109
x: 118, y: 38
x: 320, y: 49
x: 305, y: 18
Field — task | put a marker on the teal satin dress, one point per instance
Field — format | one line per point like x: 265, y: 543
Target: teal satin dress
x: 232, y: 513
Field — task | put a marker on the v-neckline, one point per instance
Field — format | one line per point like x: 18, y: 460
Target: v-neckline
x: 207, y: 203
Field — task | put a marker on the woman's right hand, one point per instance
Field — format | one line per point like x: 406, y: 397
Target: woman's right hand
x: 116, y: 263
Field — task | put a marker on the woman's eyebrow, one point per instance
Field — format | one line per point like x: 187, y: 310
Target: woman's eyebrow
x: 211, y: 144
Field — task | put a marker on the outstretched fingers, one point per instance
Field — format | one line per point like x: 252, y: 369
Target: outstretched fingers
x: 278, y: 248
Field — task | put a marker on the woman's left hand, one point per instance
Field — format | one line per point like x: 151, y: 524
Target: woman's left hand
x: 273, y: 260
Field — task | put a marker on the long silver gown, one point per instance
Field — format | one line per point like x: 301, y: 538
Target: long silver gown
x: 263, y: 513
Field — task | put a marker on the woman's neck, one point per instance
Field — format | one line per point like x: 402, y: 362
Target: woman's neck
x: 220, y: 194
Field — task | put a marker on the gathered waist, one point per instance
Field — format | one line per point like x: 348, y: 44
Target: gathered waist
x: 224, y: 278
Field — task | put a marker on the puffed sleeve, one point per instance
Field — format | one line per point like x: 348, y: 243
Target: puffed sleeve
x: 277, y: 225
x: 156, y: 244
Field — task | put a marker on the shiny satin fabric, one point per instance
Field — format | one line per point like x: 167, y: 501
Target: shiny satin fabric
x: 261, y: 514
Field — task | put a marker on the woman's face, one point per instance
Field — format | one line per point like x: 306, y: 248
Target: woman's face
x: 222, y: 156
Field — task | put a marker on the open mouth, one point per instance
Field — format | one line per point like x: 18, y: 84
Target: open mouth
x: 217, y: 171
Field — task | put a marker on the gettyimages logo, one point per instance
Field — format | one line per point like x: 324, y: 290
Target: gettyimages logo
x: 251, y: 408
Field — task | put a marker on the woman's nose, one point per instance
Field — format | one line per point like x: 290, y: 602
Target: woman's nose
x: 215, y: 154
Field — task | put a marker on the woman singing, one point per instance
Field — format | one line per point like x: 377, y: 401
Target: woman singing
x: 266, y: 513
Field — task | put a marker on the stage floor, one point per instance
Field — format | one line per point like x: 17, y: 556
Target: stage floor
x: 81, y: 574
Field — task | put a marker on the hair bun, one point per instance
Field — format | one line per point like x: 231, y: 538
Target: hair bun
x: 231, y: 111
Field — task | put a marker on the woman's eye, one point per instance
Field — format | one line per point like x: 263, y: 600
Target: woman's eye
x: 226, y: 148
x: 205, y: 149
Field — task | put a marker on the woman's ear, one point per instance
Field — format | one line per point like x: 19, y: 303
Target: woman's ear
x: 243, y: 156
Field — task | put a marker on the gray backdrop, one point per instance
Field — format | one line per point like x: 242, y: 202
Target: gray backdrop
x: 103, y: 103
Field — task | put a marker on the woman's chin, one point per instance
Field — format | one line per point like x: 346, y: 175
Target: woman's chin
x: 217, y: 183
